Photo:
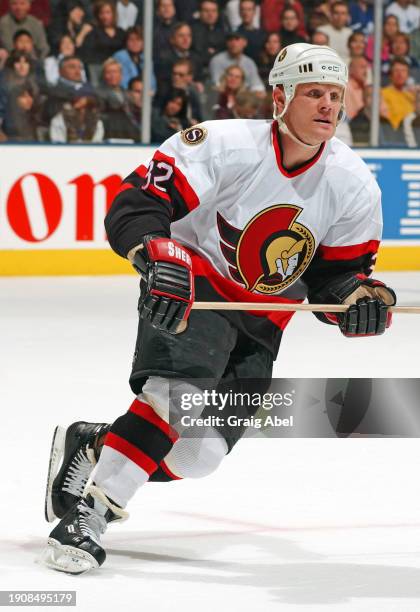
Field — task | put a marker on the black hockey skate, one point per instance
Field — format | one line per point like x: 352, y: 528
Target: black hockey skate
x: 74, y: 544
x: 74, y: 453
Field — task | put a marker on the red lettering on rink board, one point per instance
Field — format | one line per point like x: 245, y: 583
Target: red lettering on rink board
x: 17, y: 207
x: 85, y: 201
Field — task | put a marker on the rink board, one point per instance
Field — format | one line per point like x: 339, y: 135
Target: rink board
x: 53, y: 200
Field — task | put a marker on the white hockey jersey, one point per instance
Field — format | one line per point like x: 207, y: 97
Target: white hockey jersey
x: 257, y: 231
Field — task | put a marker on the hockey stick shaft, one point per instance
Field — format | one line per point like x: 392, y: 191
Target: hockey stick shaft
x: 291, y: 307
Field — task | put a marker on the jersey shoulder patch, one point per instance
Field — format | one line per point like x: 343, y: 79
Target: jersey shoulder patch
x: 194, y: 135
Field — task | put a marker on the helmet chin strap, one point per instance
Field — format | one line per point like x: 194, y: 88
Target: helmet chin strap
x: 283, y: 128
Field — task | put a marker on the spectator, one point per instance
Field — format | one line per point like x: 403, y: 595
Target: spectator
x: 236, y: 44
x: 70, y: 80
x: 78, y: 121
x: 169, y: 119
x: 324, y: 7
x: 127, y: 13
x: 164, y: 21
x: 41, y: 9
x: 207, y: 33
x: 338, y: 31
x: 71, y: 20
x: 316, y: 19
x: 358, y: 81
x: 414, y: 44
x: 66, y: 48
x: 361, y: 16
x: 105, y: 39
x: 390, y: 29
x: 269, y: 52
x: 398, y: 96
x: 357, y: 45
x: 233, y: 17
x: 115, y: 101
x: 3, y: 57
x: 408, y: 15
x: 22, y: 117
x: 400, y: 47
x: 255, y: 36
x: 271, y: 13
x: 180, y: 48
x: 135, y: 102
x: 22, y: 41
x: 18, y: 18
x: 360, y: 124
x: 182, y: 78
x: 187, y: 10
x: 320, y: 38
x: 357, y: 49
x: 231, y: 84
x: 411, y: 124
x: 246, y: 105
x: 289, y: 28
x: 19, y: 71
x: 131, y: 58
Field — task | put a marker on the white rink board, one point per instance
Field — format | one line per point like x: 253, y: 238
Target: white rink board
x: 57, y: 188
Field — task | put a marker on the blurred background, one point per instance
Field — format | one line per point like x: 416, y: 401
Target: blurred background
x: 133, y: 72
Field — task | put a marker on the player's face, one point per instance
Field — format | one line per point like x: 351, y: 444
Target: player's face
x: 312, y: 115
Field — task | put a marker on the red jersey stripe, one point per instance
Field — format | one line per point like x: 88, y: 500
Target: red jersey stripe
x: 230, y: 291
x: 131, y: 452
x: 167, y: 471
x: 348, y: 252
x: 181, y: 183
x: 124, y: 187
x: 158, y: 193
x: 277, y: 150
x: 141, y: 171
x: 145, y: 411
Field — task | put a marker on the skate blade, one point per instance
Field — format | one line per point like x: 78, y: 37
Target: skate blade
x: 56, y: 456
x: 67, y: 559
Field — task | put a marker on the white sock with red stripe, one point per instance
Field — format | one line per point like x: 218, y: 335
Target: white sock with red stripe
x: 118, y: 476
x: 132, y: 451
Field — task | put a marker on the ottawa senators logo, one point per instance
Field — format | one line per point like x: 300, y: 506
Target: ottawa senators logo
x: 194, y: 135
x: 271, y: 252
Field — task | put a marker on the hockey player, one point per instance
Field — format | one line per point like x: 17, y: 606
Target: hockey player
x: 234, y: 210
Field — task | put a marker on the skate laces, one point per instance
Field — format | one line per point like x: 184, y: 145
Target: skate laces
x: 91, y: 522
x: 78, y: 474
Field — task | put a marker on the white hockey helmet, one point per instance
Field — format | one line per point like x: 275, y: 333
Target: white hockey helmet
x: 305, y: 63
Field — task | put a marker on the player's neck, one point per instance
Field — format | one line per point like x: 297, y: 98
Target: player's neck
x: 294, y: 154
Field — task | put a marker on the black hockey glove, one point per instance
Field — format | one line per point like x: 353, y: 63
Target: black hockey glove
x: 168, y: 296
x: 368, y: 313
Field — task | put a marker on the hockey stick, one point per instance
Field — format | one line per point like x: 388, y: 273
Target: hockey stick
x: 292, y: 307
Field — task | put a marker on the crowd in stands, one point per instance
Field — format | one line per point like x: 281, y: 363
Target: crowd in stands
x: 71, y: 70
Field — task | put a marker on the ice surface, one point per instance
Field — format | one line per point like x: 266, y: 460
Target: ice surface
x: 289, y: 524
